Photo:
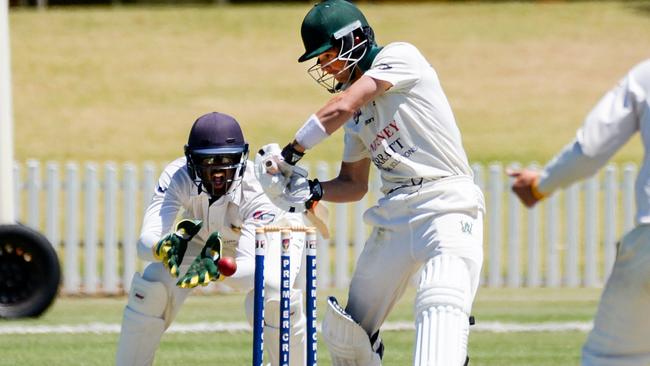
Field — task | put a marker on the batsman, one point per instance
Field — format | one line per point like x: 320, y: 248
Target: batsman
x: 220, y: 204
x: 429, y: 222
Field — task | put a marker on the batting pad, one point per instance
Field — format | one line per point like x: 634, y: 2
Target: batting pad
x: 143, y: 324
x: 442, y: 308
x: 298, y: 335
x: 348, y: 343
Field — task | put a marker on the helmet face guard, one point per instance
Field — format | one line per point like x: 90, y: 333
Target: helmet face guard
x: 350, y: 53
x: 217, y: 171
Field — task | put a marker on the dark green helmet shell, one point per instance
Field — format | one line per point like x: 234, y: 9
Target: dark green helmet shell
x: 324, y: 20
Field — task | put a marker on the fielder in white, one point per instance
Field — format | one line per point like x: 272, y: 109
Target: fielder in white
x: 621, y: 334
x: 216, y: 193
x: 430, y: 219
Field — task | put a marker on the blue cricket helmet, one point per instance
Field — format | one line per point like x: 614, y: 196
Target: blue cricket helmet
x: 216, y: 153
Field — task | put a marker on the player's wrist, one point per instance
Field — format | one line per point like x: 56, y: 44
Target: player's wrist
x: 534, y: 189
x: 291, y: 154
x: 311, y: 133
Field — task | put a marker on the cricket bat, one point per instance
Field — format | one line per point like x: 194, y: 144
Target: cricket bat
x: 318, y: 215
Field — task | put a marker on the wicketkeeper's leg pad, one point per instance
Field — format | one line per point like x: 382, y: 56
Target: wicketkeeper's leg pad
x: 143, y: 324
x: 348, y: 343
x: 442, y: 307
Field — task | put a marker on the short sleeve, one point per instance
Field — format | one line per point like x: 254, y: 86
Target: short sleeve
x: 398, y: 64
x: 354, y: 149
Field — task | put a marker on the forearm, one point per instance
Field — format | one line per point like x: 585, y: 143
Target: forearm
x: 337, y: 190
x: 350, y: 185
x: 569, y: 166
x: 338, y: 111
x: 321, y: 124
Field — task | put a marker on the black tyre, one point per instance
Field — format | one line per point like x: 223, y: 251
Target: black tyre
x: 29, y: 272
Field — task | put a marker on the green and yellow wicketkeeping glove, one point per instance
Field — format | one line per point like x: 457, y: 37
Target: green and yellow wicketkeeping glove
x: 171, y: 248
x: 204, y: 268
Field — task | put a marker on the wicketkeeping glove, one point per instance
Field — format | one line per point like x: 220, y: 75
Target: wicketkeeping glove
x: 204, y: 268
x: 171, y: 248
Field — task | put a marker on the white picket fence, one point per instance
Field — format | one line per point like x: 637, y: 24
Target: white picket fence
x: 92, y: 215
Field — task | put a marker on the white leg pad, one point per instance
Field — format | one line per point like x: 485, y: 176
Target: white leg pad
x: 143, y: 324
x: 348, y: 343
x: 442, y: 307
x: 298, y: 335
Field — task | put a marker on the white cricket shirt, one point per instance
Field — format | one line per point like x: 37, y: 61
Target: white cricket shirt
x: 409, y: 132
x: 235, y: 216
x: 624, y: 110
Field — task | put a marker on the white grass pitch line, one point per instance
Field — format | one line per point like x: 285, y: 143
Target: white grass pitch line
x: 236, y: 327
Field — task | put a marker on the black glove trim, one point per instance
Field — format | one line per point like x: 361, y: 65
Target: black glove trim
x: 291, y: 155
x: 316, y: 190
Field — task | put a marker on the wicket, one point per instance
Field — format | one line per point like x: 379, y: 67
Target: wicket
x: 285, y: 292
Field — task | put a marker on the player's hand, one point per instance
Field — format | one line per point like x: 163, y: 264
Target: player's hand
x: 301, y: 193
x: 525, y: 185
x: 308, y: 189
x: 204, y: 267
x: 170, y: 250
x: 271, y: 170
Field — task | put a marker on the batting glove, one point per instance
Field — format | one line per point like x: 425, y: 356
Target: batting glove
x: 204, y: 267
x: 170, y: 250
x: 316, y: 192
x: 303, y: 190
x: 291, y: 155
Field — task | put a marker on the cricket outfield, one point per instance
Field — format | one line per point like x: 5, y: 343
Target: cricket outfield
x: 510, y: 330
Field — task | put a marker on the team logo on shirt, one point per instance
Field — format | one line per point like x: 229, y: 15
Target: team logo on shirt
x: 388, y: 149
x: 383, y: 66
x: 263, y: 216
x: 356, y: 116
x: 466, y: 227
x: 384, y: 134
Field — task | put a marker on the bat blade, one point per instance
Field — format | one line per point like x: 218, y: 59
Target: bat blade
x: 318, y: 215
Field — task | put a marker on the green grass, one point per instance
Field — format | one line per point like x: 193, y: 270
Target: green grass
x: 502, y: 349
x: 125, y: 83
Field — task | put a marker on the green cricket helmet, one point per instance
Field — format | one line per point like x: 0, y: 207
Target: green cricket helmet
x: 340, y: 24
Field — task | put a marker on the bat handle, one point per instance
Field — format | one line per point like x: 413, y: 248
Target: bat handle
x: 271, y: 167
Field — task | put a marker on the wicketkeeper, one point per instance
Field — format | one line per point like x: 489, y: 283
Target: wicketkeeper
x: 396, y: 116
x: 621, y: 333
x: 220, y: 203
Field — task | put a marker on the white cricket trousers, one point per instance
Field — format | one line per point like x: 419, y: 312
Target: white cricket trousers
x: 621, y: 333
x: 410, y: 227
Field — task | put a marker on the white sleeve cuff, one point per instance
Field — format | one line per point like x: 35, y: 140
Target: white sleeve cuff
x: 569, y: 166
x: 311, y: 133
